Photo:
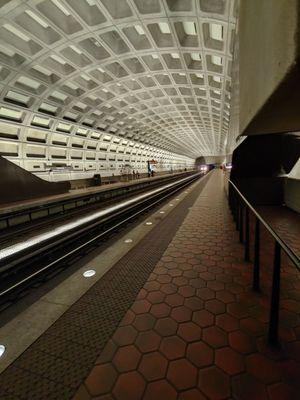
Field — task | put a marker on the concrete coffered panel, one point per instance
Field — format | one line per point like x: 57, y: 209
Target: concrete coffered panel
x: 155, y: 72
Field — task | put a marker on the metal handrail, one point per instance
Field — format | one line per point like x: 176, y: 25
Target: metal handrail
x: 290, y: 253
x: 237, y: 203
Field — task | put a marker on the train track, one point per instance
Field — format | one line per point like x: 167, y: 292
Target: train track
x: 14, y: 233
x: 33, y: 260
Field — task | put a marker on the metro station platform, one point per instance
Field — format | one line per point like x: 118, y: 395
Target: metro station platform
x: 174, y: 318
x: 74, y: 194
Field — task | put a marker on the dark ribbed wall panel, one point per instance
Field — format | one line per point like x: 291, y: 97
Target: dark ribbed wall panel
x: 18, y: 184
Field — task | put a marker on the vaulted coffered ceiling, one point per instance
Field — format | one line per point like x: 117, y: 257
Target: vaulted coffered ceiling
x: 153, y: 71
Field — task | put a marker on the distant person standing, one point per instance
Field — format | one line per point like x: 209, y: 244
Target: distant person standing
x: 133, y: 175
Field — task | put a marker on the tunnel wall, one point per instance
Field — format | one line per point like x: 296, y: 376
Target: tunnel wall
x: 18, y: 184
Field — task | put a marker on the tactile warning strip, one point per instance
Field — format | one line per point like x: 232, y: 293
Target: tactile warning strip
x: 55, y: 365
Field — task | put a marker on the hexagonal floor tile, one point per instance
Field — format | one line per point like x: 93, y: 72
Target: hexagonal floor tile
x: 262, y: 368
x: 194, y: 303
x: 144, y: 322
x: 246, y: 387
x: 173, y: 347
x: 182, y: 374
x: 192, y: 394
x: 189, y: 331
x: 200, y: 354
x: 242, y: 342
x: 181, y: 314
x: 129, y: 386
x: 203, y: 318
x: 227, y: 322
x: 215, y: 337
x: 124, y: 335
x: 101, y: 379
x: 229, y: 361
x: 160, y: 310
x: 166, y: 326
x: 148, y: 341
x: 141, y: 306
x: 153, y: 366
x: 214, y: 383
x: 160, y: 390
x: 126, y: 358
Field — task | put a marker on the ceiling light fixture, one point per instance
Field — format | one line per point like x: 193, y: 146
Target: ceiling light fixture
x: 189, y: 28
x: 164, y: 27
x: 139, y: 29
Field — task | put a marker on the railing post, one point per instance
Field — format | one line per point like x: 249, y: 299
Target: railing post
x: 241, y: 223
x: 237, y: 212
x: 247, y: 236
x: 275, y: 297
x: 255, y: 285
x: 230, y: 197
x: 233, y: 201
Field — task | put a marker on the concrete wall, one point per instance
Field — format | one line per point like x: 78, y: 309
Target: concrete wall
x: 267, y: 51
x: 292, y: 194
x: 266, y: 72
x: 292, y: 188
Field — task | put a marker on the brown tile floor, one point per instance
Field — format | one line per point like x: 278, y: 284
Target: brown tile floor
x: 196, y: 330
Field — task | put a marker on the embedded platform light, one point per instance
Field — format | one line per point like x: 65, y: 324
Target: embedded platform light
x: 2, y: 350
x: 128, y: 241
x: 171, y: 205
x: 161, y: 212
x: 89, y: 273
x: 148, y: 223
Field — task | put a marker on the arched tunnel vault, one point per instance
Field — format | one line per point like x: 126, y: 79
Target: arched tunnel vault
x: 82, y: 81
